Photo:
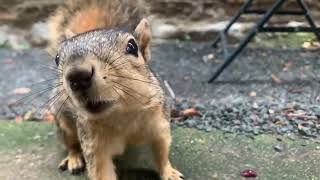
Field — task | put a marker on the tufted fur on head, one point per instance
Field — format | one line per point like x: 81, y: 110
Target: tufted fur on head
x: 79, y: 16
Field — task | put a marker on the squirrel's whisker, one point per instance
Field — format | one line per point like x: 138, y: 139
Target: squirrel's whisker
x: 42, y: 82
x: 134, y: 79
x: 129, y: 94
x: 120, y: 96
x: 62, y: 105
x: 50, y: 67
x: 130, y: 89
x: 116, y: 66
x: 130, y: 72
x: 116, y: 59
x: 38, y: 93
x: 52, y: 100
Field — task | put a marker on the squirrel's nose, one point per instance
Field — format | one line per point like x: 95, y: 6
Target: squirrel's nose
x: 80, y: 79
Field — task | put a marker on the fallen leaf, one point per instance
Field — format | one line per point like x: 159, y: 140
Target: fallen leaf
x: 21, y: 91
x: 276, y: 79
x: 248, y: 173
x: 190, y: 112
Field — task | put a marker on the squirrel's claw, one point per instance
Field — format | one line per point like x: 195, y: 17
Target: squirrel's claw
x: 73, y: 163
x: 172, y: 174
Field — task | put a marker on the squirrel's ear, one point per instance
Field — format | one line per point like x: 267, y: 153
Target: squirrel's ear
x: 143, y: 36
x: 68, y: 33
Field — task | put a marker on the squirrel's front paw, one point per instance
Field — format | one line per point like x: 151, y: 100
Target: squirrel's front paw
x: 73, y: 163
x: 172, y: 174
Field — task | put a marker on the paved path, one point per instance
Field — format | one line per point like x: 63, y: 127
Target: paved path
x: 29, y: 151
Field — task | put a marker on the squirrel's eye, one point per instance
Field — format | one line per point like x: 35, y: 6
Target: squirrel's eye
x: 57, y: 60
x: 132, y: 48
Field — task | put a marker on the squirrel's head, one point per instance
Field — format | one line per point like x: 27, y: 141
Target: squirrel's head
x: 107, y: 70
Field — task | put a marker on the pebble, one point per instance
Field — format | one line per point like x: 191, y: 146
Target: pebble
x: 278, y: 148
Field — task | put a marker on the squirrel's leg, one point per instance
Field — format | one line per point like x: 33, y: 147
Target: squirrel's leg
x: 98, y: 152
x: 160, y: 149
x: 100, y: 167
x: 67, y: 133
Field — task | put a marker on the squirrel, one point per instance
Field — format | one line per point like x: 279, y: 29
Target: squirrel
x: 108, y: 96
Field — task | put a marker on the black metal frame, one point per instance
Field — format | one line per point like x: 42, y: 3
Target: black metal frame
x: 260, y: 27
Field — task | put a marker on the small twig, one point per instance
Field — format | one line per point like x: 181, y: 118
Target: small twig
x: 302, y: 116
x: 171, y: 92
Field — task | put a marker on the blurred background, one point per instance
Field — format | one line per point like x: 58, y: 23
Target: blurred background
x: 183, y: 19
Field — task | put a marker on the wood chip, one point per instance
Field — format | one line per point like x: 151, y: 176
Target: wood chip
x: 252, y: 94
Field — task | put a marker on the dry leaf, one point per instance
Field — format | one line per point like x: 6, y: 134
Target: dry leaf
x: 21, y: 91
x: 190, y: 112
x: 276, y: 79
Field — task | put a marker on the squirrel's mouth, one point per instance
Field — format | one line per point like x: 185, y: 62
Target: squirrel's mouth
x: 97, y: 106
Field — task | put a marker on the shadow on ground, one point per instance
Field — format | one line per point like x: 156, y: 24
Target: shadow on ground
x: 29, y: 151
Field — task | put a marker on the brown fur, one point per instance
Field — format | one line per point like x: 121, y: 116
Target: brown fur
x: 137, y: 115
x: 78, y: 16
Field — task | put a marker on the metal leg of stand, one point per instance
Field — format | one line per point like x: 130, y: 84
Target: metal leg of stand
x: 248, y: 38
x: 309, y: 18
x: 234, y: 19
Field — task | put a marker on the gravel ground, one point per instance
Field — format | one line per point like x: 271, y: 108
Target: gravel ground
x: 264, y: 91
x: 254, y: 118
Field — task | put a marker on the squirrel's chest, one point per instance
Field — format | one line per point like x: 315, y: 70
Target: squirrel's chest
x: 124, y: 125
